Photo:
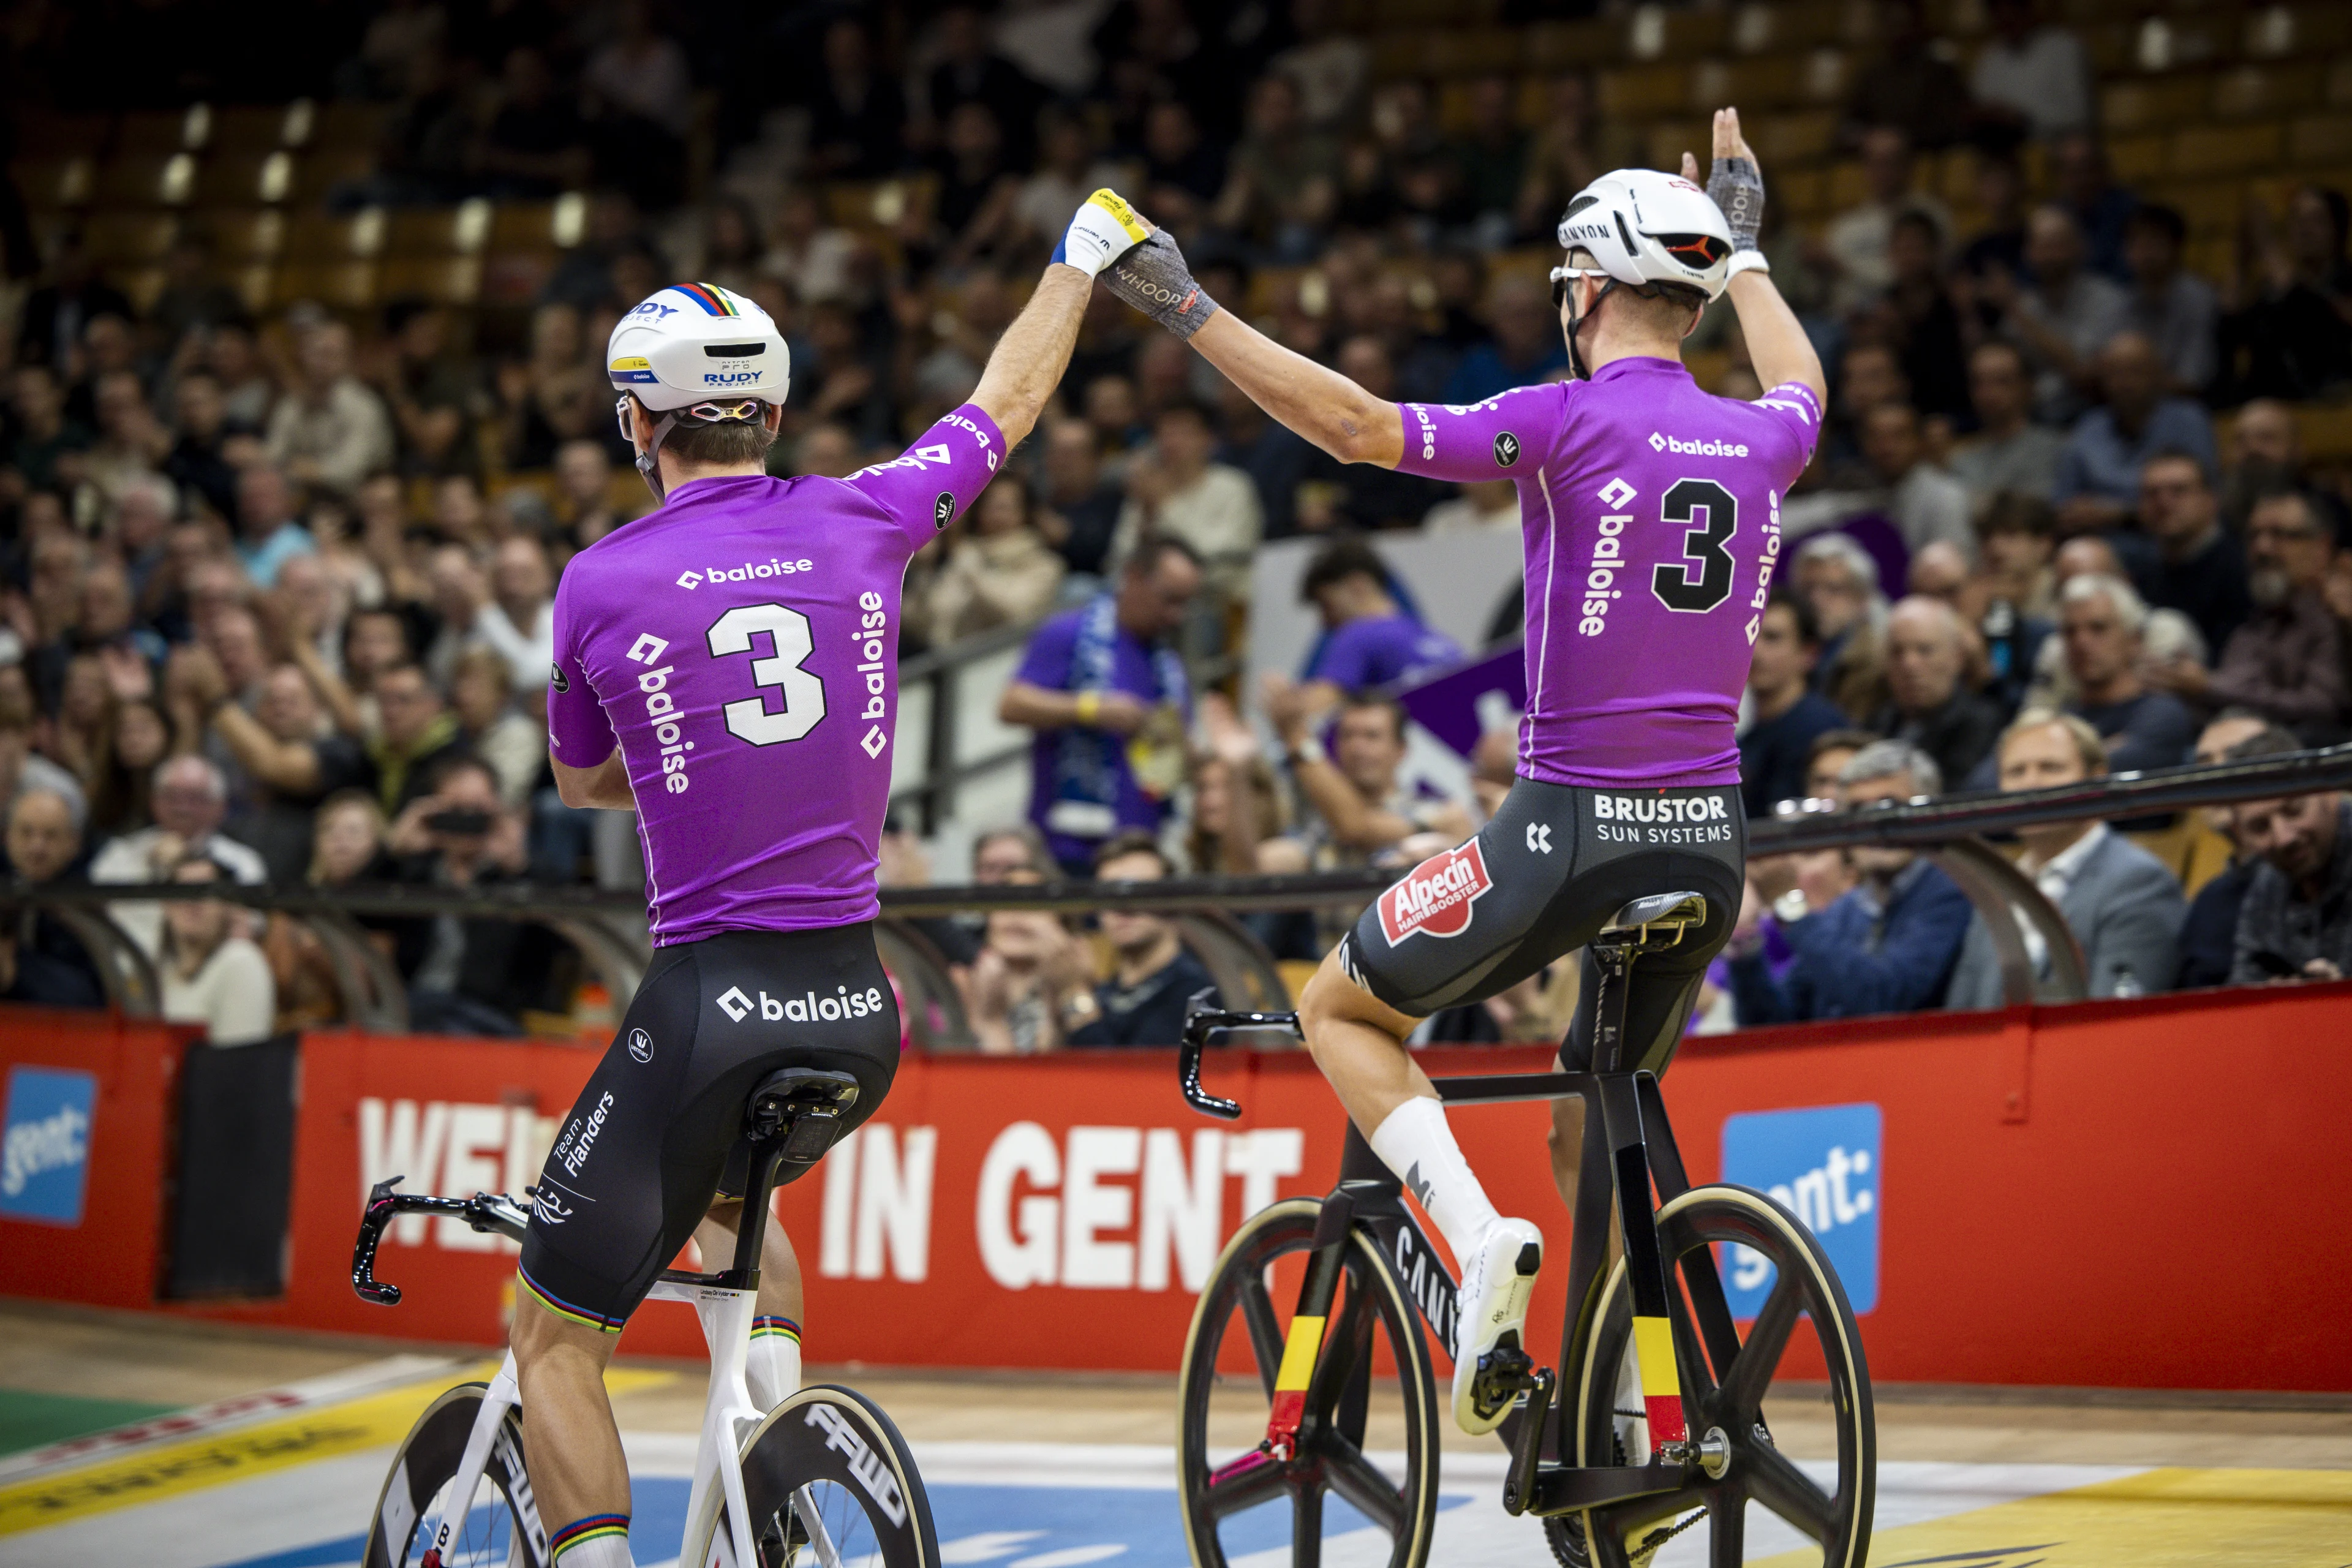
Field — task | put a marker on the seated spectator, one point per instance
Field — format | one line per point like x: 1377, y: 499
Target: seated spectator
x: 1368, y: 641
x: 2009, y: 452
x: 1282, y: 181
x: 2291, y: 339
x: 268, y: 533
x: 2033, y: 73
x: 1886, y: 946
x: 329, y: 429
x: 1919, y: 320
x: 1926, y: 505
x: 2122, y: 903
x: 1028, y: 984
x: 1928, y: 706
x: 2200, y: 568
x: 536, y: 146
x: 1237, y: 804
x: 2174, y: 309
x: 1526, y: 346
x: 2059, y: 313
x: 2287, y: 662
x: 1838, y: 581
x: 1176, y: 489
x: 1356, y: 810
x: 999, y: 569
x: 414, y: 734
x: 1785, y: 715
x: 290, y: 765
x: 2102, y: 622
x: 29, y: 975
x: 212, y: 974
x: 519, y: 620
x: 2296, y: 920
x: 123, y: 768
x: 1100, y: 685
x: 2016, y: 536
x: 2208, y: 936
x: 2265, y: 458
x: 1857, y: 244
x: 1913, y: 85
x: 1143, y: 1002
x: 191, y: 801
x: 1077, y: 507
x: 2099, y: 473
x: 466, y: 976
x: 1488, y: 506
x: 513, y: 743
x: 44, y: 846
x: 1827, y: 758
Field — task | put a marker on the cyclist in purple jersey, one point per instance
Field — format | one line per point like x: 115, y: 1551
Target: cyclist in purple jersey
x: 727, y: 668
x: 1652, y: 518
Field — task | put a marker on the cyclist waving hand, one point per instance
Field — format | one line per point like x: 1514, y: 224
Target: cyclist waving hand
x: 1652, y: 518
x: 728, y: 666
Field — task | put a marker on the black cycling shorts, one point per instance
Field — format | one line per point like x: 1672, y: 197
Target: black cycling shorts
x: 649, y: 1141
x: 1538, y: 881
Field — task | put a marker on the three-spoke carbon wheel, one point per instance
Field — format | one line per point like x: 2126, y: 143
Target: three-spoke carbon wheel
x: 502, y: 1530
x: 1356, y: 1403
x: 830, y: 1481
x: 1729, y: 1395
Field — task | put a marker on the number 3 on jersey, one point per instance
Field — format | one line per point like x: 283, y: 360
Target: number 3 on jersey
x: 802, y: 693
x: 1702, y: 579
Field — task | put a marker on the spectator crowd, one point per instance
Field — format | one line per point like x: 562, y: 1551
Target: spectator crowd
x: 275, y: 596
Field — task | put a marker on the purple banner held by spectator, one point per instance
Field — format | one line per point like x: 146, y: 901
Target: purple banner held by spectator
x: 1446, y: 704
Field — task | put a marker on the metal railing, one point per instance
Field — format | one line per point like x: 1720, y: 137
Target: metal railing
x: 608, y: 927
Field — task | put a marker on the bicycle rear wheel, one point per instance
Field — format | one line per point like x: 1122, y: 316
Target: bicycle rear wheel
x: 829, y: 1480
x: 502, y: 1530
x: 1728, y: 1396
x: 1217, y: 1476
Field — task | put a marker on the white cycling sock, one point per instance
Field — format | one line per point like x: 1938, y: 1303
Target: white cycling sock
x: 1416, y: 1144
x: 600, y: 1540
x: 774, y: 1367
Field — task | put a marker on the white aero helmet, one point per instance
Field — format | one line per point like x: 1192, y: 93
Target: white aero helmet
x: 694, y: 354
x: 1650, y: 232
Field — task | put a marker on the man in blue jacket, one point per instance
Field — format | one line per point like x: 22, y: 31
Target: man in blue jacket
x: 1887, y: 945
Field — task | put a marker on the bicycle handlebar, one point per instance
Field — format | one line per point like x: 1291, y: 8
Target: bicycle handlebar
x: 1202, y: 1019
x: 483, y: 1212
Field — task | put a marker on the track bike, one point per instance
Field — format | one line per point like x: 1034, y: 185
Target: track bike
x: 822, y: 1479
x: 1654, y: 1424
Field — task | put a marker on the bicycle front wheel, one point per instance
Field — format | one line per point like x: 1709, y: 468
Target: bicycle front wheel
x: 501, y: 1530
x: 1221, y: 1476
x: 830, y: 1482
x: 1728, y: 1393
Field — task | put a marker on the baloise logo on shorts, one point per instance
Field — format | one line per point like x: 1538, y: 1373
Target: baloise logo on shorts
x: 1436, y: 895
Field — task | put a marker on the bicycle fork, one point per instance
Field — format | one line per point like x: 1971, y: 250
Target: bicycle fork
x: 489, y: 1427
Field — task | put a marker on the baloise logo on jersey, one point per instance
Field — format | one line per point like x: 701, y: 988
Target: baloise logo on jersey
x: 1436, y: 895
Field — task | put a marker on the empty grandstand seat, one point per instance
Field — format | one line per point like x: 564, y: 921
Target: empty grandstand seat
x: 245, y: 235
x: 154, y: 132
x: 343, y: 125
x: 2138, y: 159
x: 322, y: 172
x: 342, y: 285
x: 460, y: 230
x: 2155, y: 103
x: 443, y: 280
x: 1669, y: 140
x: 2224, y: 148
x: 1824, y: 79
x: 2261, y: 92
x: 52, y: 135
x: 1750, y: 85
x: 523, y: 225
x: 247, y: 129
x: 146, y: 179
x: 1642, y: 92
x: 242, y: 179
x: 1793, y: 137
x: 1555, y: 46
x: 2320, y: 139
x: 320, y: 236
x: 133, y: 238
x: 2339, y: 82
x: 50, y: 184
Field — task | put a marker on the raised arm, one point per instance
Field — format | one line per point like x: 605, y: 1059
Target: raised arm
x: 1318, y: 402
x: 1029, y: 359
x: 1777, y: 344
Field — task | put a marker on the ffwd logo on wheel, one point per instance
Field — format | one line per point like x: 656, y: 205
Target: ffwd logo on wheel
x: 1436, y: 895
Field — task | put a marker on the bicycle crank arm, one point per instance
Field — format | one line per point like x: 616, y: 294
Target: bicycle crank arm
x: 1563, y: 1488
x: 1519, y: 1481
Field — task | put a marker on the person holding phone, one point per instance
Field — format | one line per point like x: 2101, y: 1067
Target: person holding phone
x: 466, y: 976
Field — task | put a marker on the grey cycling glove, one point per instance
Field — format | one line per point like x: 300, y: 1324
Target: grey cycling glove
x: 1736, y: 185
x: 1152, y: 278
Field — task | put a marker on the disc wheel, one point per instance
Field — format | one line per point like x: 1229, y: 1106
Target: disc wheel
x: 502, y: 1530
x: 1220, y: 1474
x: 830, y: 1482
x: 1728, y: 1396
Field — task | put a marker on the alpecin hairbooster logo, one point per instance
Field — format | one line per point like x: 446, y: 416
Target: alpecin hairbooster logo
x: 1436, y: 895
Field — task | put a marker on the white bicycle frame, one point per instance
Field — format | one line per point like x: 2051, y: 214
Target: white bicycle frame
x: 728, y: 1413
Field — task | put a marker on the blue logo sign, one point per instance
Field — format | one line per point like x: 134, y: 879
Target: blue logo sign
x: 45, y: 1150
x: 1822, y: 1163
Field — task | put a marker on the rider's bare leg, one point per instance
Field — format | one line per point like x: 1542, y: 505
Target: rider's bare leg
x: 1359, y: 1042
x: 774, y: 1367
x: 576, y: 1464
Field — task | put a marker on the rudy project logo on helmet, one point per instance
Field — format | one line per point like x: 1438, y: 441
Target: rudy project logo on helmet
x: 641, y: 1046
x: 943, y: 509
x: 1436, y: 895
x: 1506, y: 449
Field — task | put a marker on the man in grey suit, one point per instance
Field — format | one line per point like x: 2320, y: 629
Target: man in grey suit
x: 2121, y: 902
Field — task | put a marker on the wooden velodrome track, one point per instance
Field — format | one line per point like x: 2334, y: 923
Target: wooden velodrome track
x: 1970, y: 1478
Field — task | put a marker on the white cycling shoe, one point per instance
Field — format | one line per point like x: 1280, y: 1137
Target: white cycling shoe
x: 1498, y: 1278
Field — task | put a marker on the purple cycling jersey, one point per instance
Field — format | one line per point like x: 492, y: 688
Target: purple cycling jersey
x: 1380, y: 649
x: 741, y: 647
x: 1652, y: 517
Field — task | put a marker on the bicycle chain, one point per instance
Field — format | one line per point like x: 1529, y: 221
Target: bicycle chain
x: 1648, y: 1550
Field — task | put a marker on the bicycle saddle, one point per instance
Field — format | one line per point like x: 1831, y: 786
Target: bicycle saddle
x: 803, y: 1106
x: 1667, y: 912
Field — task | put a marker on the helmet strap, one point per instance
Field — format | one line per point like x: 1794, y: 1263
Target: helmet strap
x: 1576, y: 320
x: 649, y: 460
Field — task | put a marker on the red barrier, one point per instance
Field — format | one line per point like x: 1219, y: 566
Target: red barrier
x: 2137, y: 1193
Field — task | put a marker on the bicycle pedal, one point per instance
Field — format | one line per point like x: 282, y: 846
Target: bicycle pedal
x: 1505, y: 1372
